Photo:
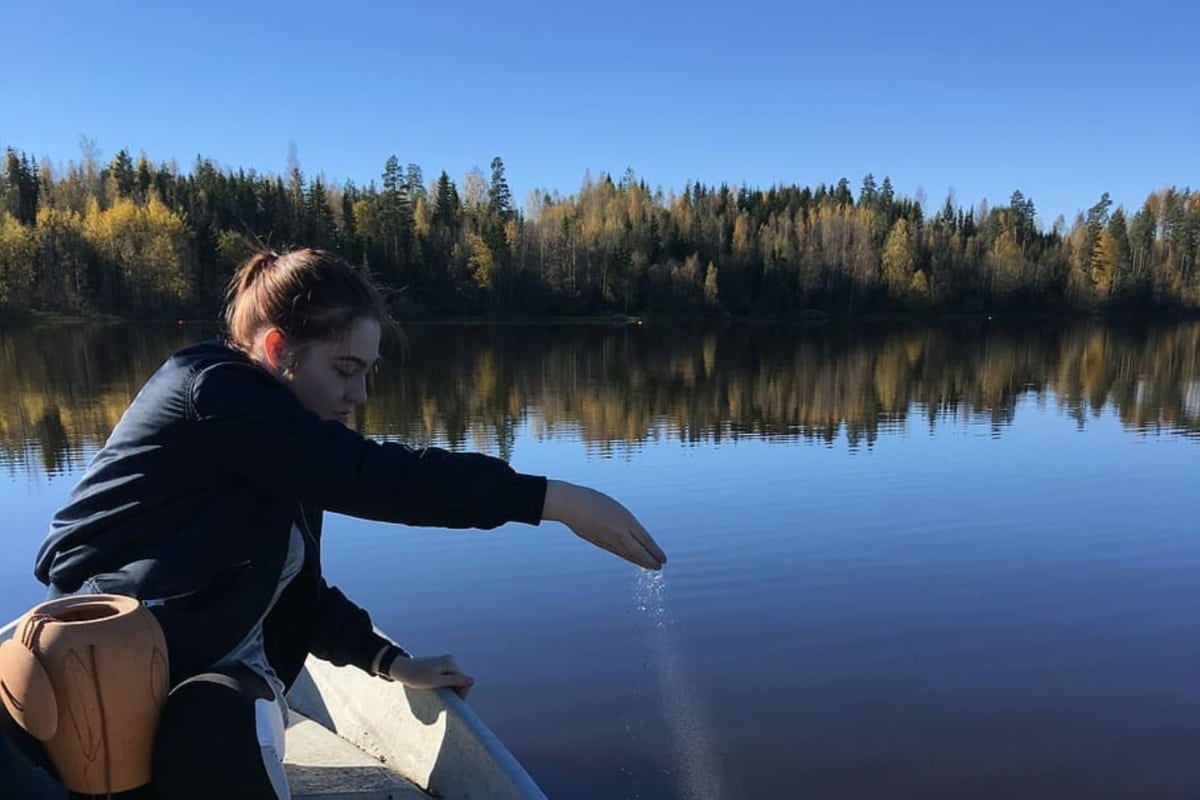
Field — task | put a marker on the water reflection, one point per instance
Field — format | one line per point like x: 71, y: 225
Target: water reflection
x: 63, y: 388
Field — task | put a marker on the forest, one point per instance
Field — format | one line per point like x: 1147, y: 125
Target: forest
x: 142, y: 240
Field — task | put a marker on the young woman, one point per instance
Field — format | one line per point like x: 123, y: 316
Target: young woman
x: 205, y: 503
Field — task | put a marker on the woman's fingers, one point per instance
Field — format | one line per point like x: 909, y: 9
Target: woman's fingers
x: 629, y: 547
x: 444, y: 664
x: 632, y: 543
x: 640, y: 555
x: 640, y: 545
x: 447, y: 670
x: 433, y: 672
x: 644, y: 538
x: 457, y: 680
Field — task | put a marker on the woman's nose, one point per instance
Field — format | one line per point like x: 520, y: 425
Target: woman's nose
x: 358, y: 390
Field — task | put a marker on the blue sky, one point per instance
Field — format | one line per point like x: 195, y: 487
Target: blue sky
x: 1062, y: 100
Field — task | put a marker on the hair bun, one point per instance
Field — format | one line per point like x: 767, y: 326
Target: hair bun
x: 255, y: 266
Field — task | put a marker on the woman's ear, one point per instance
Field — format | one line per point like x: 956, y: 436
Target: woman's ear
x: 278, y: 354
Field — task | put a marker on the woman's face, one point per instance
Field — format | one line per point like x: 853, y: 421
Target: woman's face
x: 330, y: 377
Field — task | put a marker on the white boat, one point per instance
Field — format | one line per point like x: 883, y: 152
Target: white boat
x: 352, y: 736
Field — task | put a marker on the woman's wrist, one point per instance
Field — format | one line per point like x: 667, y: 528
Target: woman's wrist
x: 554, y: 506
x: 386, y: 660
x: 375, y: 662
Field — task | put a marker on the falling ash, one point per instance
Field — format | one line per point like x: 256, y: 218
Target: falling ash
x: 696, y: 765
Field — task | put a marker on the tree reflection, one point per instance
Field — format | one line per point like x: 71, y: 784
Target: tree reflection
x: 615, y: 388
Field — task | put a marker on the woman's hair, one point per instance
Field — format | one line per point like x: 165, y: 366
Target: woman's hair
x: 309, y: 295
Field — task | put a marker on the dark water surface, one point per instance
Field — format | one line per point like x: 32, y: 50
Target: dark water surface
x: 954, y: 562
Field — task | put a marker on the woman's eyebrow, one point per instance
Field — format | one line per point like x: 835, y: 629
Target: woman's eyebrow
x: 357, y: 361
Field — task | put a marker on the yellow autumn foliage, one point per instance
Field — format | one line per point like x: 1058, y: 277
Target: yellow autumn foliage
x: 481, y: 261
x: 18, y: 246
x: 897, y: 258
x: 150, y: 244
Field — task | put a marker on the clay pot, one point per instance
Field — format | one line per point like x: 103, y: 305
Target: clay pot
x: 87, y: 675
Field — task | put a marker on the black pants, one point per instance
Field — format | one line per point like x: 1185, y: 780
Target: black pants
x: 220, y: 736
x: 20, y: 757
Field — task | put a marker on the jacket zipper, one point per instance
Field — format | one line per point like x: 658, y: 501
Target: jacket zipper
x: 155, y: 602
x: 309, y: 538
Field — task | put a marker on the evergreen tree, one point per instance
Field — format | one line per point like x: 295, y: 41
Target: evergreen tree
x: 446, y: 204
x: 143, y: 179
x: 1141, y: 246
x: 1022, y: 211
x: 120, y: 174
x: 887, y: 195
x: 869, y: 193
x: 21, y: 187
x: 1118, y: 234
x: 395, y: 217
x: 414, y: 184
x: 499, y: 196
x: 841, y: 195
x: 321, y: 232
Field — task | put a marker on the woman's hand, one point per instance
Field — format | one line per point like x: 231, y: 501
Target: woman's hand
x: 604, y: 522
x: 431, y: 673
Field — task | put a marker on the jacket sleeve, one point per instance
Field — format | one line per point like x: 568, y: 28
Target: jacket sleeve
x: 344, y: 633
x: 254, y: 425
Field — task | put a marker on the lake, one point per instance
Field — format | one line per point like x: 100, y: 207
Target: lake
x: 958, y: 561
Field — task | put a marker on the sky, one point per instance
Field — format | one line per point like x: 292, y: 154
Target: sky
x: 1061, y: 99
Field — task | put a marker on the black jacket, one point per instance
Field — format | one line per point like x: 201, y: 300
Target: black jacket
x: 190, y: 503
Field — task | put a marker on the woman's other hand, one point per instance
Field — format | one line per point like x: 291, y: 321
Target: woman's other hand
x: 597, y: 518
x: 433, y: 672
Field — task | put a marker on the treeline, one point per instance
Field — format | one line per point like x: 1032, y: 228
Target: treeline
x: 616, y: 389
x: 134, y: 238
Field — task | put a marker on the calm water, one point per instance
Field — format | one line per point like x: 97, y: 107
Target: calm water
x: 958, y: 562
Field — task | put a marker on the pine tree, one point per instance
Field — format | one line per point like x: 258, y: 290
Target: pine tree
x: 143, y: 179
x: 395, y: 215
x: 20, y: 187
x: 869, y: 192
x: 446, y: 204
x: 120, y: 174
x: 499, y: 196
x: 414, y: 184
x: 1022, y: 216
